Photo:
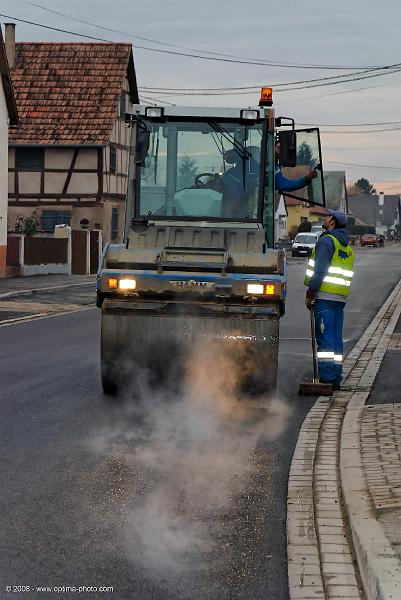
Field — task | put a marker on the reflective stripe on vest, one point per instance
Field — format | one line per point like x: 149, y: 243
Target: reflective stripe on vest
x: 339, y: 275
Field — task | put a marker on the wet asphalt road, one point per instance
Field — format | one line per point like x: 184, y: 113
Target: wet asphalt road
x: 174, y: 498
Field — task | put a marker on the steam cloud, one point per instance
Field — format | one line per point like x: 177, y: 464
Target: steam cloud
x: 193, y: 450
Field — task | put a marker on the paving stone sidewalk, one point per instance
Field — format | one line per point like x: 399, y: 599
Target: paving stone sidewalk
x: 381, y: 459
x: 381, y: 442
x: 344, y: 491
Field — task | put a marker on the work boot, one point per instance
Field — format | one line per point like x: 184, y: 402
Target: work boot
x: 336, y: 385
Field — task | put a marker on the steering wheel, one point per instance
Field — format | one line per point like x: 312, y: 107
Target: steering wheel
x: 213, y: 176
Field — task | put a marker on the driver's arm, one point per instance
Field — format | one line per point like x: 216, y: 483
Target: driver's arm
x: 290, y: 185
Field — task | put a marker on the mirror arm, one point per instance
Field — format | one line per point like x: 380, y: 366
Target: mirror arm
x: 280, y: 122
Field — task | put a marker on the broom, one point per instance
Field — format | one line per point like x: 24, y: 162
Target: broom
x: 315, y: 388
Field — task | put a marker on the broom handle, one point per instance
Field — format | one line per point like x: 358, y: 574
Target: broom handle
x: 314, y: 348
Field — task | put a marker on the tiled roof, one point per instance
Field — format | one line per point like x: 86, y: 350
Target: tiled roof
x: 293, y: 202
x: 364, y: 208
x: 317, y: 210
x: 7, y: 85
x: 68, y: 94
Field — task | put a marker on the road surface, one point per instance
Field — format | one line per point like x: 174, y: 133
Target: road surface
x: 169, y: 498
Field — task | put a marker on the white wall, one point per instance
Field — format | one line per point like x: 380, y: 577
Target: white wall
x: 3, y: 171
x: 280, y: 221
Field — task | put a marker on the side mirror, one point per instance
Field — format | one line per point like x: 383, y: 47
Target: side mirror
x: 142, y: 147
x: 288, y: 148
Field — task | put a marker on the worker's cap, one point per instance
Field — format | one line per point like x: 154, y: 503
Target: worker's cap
x: 233, y: 156
x: 340, y: 217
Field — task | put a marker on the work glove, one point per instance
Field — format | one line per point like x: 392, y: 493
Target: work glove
x: 311, y: 175
x: 310, y: 298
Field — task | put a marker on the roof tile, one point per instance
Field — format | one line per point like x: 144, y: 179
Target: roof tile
x: 68, y: 93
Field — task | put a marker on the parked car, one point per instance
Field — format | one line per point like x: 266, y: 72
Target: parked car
x: 317, y: 229
x: 369, y: 239
x: 304, y: 243
x: 380, y: 240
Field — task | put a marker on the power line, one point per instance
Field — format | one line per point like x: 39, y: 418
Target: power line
x: 388, y: 70
x: 360, y: 132
x: 334, y: 162
x: 350, y: 124
x: 154, y: 41
x: 155, y: 100
x: 185, y: 54
x: 253, y: 88
x: 89, y: 37
x: 369, y: 87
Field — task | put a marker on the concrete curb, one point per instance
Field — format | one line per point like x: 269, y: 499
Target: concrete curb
x: 379, y: 567
x: 303, y: 550
x: 302, y: 544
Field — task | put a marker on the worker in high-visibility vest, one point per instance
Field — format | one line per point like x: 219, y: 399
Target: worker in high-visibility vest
x: 328, y: 277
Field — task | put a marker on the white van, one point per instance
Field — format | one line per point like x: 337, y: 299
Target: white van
x: 304, y: 243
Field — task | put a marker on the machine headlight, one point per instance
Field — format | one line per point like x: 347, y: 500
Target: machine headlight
x: 251, y: 115
x: 154, y: 112
x: 127, y: 284
x: 255, y: 289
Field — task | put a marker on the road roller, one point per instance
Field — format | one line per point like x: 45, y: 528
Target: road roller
x: 200, y: 264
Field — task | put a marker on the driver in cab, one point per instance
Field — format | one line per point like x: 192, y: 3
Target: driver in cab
x: 240, y: 183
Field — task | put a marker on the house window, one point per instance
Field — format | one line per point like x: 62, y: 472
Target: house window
x: 113, y: 159
x: 122, y: 105
x: 114, y: 224
x: 30, y: 159
x: 50, y: 218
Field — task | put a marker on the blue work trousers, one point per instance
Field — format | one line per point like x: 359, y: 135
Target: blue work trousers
x: 329, y: 318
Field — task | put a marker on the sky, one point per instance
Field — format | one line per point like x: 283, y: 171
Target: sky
x: 361, y: 33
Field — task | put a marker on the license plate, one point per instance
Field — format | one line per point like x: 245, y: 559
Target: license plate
x: 303, y: 252
x: 192, y: 284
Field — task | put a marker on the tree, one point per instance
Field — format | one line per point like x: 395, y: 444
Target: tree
x: 365, y: 187
x: 187, y: 171
x: 305, y: 226
x: 305, y: 155
x: 27, y: 225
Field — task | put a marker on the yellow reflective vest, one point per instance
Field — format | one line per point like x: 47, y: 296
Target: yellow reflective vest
x: 338, y: 278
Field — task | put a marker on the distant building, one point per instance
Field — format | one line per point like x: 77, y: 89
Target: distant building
x: 8, y: 118
x: 362, y: 207
x: 380, y: 213
x: 69, y: 159
x: 388, y: 215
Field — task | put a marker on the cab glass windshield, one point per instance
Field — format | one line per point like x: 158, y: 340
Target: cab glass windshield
x: 202, y: 170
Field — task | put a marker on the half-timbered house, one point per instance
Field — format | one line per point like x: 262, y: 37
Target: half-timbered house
x: 8, y: 118
x: 68, y: 162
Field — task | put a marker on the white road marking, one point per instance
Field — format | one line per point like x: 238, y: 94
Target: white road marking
x: 46, y: 289
x: 39, y: 316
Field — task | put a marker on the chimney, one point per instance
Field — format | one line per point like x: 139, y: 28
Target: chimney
x: 381, y: 198
x: 9, y: 29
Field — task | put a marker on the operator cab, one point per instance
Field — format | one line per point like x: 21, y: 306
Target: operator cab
x: 200, y: 167
x: 211, y: 165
